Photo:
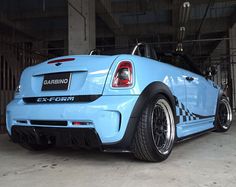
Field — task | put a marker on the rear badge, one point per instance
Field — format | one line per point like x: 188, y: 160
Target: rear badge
x: 56, y: 81
x: 58, y: 64
x: 55, y: 99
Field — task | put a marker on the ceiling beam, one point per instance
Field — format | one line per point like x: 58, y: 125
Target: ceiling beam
x: 18, y: 27
x: 197, y: 2
x: 103, y: 10
x: 32, y: 33
x: 37, y: 13
x: 148, y: 29
x: 211, y: 24
x: 134, y: 7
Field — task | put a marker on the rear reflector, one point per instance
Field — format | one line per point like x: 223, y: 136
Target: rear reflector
x: 81, y: 123
x: 61, y: 60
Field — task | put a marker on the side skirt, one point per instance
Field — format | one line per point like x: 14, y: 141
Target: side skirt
x: 182, y: 139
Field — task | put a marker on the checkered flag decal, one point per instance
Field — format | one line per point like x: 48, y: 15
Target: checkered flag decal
x: 183, y: 113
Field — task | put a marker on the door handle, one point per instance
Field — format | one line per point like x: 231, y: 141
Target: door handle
x: 189, y: 78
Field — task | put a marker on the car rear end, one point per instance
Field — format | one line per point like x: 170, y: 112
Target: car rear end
x: 76, y: 100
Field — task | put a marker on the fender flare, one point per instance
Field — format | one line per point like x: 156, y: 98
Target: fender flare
x: 144, y: 99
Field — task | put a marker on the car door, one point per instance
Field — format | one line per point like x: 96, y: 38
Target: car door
x: 201, y: 97
x: 176, y: 82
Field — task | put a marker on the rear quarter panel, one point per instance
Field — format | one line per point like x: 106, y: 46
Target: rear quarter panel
x: 147, y: 71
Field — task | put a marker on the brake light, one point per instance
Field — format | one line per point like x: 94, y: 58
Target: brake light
x: 61, y: 60
x: 124, y: 75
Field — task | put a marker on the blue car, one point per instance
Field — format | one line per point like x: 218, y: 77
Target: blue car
x: 141, y: 103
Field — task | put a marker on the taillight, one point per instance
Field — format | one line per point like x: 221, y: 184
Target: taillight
x: 124, y: 75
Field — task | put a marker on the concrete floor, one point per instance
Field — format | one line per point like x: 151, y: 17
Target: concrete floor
x: 209, y: 160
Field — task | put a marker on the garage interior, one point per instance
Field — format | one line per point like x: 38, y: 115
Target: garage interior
x: 32, y: 31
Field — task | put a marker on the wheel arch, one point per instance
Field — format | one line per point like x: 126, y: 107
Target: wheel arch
x: 145, y: 97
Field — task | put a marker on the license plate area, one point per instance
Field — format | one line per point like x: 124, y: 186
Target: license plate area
x: 56, y: 81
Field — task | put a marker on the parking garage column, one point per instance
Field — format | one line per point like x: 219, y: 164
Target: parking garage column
x: 81, y: 26
x: 232, y: 45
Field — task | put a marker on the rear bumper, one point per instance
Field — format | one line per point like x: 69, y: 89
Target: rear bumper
x: 86, y: 137
x: 108, y: 115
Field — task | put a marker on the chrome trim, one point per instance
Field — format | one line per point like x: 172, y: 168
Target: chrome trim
x: 229, y: 114
x: 170, y: 127
x: 136, y: 47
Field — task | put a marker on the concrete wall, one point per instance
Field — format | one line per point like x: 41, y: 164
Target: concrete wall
x: 81, y: 26
x: 14, y: 57
x: 216, y: 57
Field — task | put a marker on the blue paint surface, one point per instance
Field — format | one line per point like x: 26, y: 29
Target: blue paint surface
x: 93, y: 75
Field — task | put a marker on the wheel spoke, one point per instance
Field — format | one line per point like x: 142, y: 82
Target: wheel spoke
x: 224, y: 114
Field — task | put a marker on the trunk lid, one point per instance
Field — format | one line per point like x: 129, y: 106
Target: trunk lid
x: 87, y: 76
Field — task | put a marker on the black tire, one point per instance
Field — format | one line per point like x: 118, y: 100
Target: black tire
x: 223, y: 116
x: 150, y: 129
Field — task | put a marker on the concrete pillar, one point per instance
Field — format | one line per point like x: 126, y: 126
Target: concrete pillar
x: 219, y: 51
x: 232, y: 51
x: 81, y: 26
